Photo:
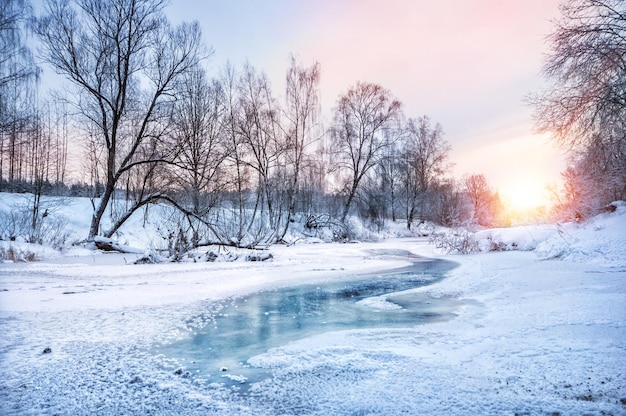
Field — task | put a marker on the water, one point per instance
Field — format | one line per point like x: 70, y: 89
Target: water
x: 230, y: 333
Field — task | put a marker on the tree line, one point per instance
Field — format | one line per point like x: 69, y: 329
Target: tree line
x: 237, y: 163
x: 240, y: 164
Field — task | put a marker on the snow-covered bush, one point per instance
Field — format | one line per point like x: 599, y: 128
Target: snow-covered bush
x: 150, y: 258
x: 48, y: 228
x: 456, y: 241
x: 259, y: 256
x: 328, y: 229
x: 522, y: 238
x: 355, y: 230
x: 12, y: 225
x: 178, y: 245
x: 425, y: 229
x: 322, y: 226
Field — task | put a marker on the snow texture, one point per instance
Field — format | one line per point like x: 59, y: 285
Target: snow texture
x: 538, y: 332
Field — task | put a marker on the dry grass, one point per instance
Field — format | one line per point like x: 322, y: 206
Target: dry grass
x: 16, y: 255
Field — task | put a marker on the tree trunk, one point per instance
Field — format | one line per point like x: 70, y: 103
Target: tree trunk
x: 99, y: 212
x: 346, y: 208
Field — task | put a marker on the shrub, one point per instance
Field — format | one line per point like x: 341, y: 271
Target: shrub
x: 17, y: 256
x: 48, y: 228
x: 459, y: 241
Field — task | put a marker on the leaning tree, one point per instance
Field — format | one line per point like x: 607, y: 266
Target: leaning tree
x: 123, y: 58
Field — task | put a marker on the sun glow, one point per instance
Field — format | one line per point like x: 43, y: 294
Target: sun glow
x: 526, y: 196
x: 524, y: 200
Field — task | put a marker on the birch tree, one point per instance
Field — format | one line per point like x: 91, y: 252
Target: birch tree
x: 302, y: 129
x: 18, y: 83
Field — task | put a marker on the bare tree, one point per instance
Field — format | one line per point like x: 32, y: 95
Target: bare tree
x: 389, y: 171
x: 198, y: 129
x: 93, y: 164
x: 238, y: 177
x: 361, y: 116
x: 585, y: 107
x: 124, y: 58
x: 585, y: 190
x: 18, y: 78
x: 451, y: 205
x: 199, y: 132
x: 260, y: 132
x: 18, y: 119
x: 424, y: 161
x: 40, y: 145
x: 302, y: 128
x: 481, y: 196
x: 16, y: 59
x: 59, y: 129
x: 569, y: 201
x: 251, y: 136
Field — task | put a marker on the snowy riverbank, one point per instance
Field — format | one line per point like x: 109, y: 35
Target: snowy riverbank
x: 538, y: 334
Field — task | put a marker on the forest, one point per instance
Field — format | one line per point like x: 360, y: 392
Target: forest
x: 238, y: 163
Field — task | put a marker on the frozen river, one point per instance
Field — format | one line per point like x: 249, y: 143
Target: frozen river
x: 231, y: 332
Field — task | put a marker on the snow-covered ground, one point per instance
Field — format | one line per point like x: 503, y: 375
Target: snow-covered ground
x: 539, y: 332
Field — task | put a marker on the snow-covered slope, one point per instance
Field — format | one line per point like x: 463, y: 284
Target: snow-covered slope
x: 70, y: 218
x: 602, y: 239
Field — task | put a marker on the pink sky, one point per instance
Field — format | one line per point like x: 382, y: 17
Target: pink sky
x: 468, y: 64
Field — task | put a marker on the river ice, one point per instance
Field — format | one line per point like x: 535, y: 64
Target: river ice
x: 244, y: 326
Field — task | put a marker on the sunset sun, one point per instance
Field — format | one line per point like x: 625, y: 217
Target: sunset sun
x: 524, y: 195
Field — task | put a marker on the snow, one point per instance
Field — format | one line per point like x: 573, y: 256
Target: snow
x: 379, y: 303
x: 576, y: 242
x: 522, y: 238
x: 538, y: 330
